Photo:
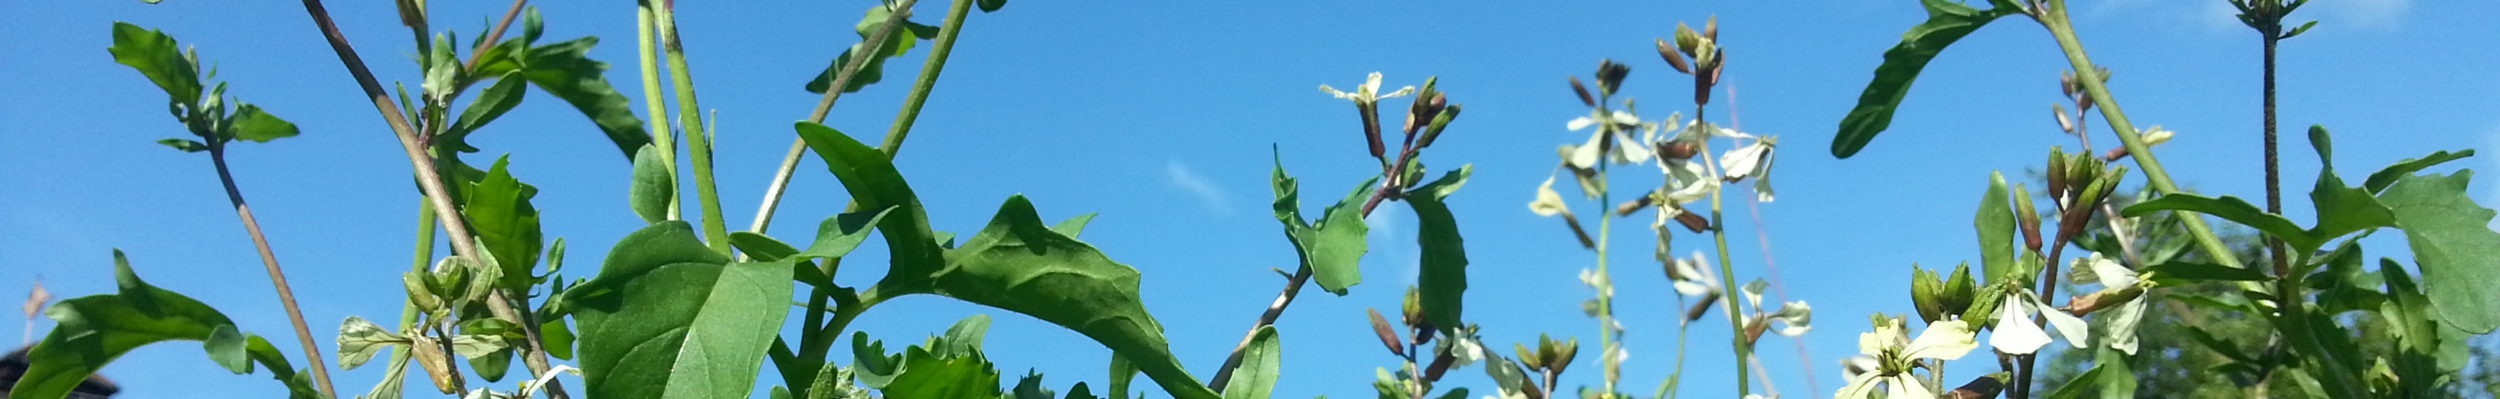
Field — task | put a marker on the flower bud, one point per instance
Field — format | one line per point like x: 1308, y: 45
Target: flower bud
x: 1414, y: 307
x: 1678, y: 150
x: 2057, y: 173
x: 1532, y: 359
x: 1562, y: 355
x: 1583, y: 91
x: 1925, y: 293
x: 1674, y: 60
x: 1710, y: 30
x: 2026, y: 217
x: 2064, y: 123
x: 1959, y: 291
x: 1388, y: 337
x: 1610, y: 76
x: 1440, y: 120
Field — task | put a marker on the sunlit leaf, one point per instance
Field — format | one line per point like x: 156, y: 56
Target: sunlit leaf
x: 1260, y: 363
x: 724, y: 347
x: 1947, y: 21
x: 491, y: 103
x: 653, y: 188
x: 251, y: 123
x: 566, y: 71
x: 925, y: 375
x: 1333, y: 247
x: 870, y: 177
x: 499, y: 212
x: 2453, y: 243
x: 1443, y: 274
x: 156, y: 55
x: 94, y: 330
x: 1995, y: 224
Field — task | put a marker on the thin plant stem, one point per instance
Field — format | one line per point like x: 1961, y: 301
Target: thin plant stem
x: 2063, y: 31
x: 1674, y: 384
x: 269, y: 260
x: 496, y: 34
x: 1762, y: 239
x: 1605, y: 297
x: 1727, y: 268
x: 2274, y: 181
x: 842, y: 79
x: 654, y: 101
x: 430, y: 182
x: 690, y: 117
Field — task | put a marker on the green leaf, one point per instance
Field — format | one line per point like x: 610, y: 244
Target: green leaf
x: 1995, y: 223
x: 2081, y: 384
x: 2341, y: 209
x: 2451, y: 239
x: 929, y: 376
x: 895, y: 45
x: 185, y: 145
x: 761, y: 247
x: 499, y: 212
x: 840, y: 234
x: 724, y: 347
x: 635, y: 315
x: 159, y: 58
x: 654, y: 188
x: 492, y: 103
x: 493, y: 366
x: 992, y: 5
x: 1443, y: 265
x: 870, y: 177
x: 1019, y: 264
x: 2232, y: 209
x: 1332, y: 248
x: 556, y: 338
x: 2379, y: 181
x: 1073, y: 225
x: 2118, y: 383
x: 94, y: 330
x: 2178, y: 272
x: 1121, y: 373
x: 251, y: 123
x: 869, y: 362
x: 964, y: 338
x: 1947, y: 21
x: 1259, y: 366
x: 566, y: 71
x: 2417, y: 333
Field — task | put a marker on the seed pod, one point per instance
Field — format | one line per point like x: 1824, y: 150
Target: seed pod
x: 1701, y: 308
x: 1678, y: 150
x: 1583, y: 91
x: 1371, y: 129
x: 1693, y: 222
x: 429, y: 353
x: 1388, y: 337
x: 1440, y: 120
x: 1754, y: 327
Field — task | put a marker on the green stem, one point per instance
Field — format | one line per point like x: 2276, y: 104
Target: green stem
x: 1727, y: 269
x: 2293, y: 320
x: 698, y: 141
x: 1605, y: 295
x: 277, y: 277
x: 2063, y: 30
x: 943, y: 46
x: 1674, y: 384
x: 652, y: 99
x: 874, y: 44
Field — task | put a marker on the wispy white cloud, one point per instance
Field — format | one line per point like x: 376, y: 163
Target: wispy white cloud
x: 1182, y: 177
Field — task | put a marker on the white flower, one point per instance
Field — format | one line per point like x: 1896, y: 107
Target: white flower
x: 1894, y: 357
x: 1623, y: 150
x: 1691, y: 277
x: 1368, y: 93
x: 2016, y: 334
x: 2118, y: 326
x: 1548, y: 202
x: 1752, y: 161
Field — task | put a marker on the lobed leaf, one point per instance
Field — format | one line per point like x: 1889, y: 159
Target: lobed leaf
x: 2452, y: 242
x: 566, y: 71
x: 2379, y: 181
x: 1332, y: 248
x: 499, y: 212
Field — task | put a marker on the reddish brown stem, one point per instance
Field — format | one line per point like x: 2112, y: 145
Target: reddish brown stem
x: 269, y: 260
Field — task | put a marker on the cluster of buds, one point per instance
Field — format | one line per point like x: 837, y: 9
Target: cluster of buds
x: 1430, y: 113
x: 2079, y: 182
x: 1418, y: 346
x: 1703, y: 47
x: 2074, y: 90
x: 1942, y: 298
x: 1549, y: 358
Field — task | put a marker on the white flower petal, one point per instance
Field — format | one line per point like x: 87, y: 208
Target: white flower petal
x: 2014, y: 332
x: 1629, y: 151
x: 2111, y: 273
x: 1762, y: 189
x: 1753, y: 292
x: 1402, y: 92
x: 2118, y: 327
x: 1580, y: 123
x: 1797, y: 316
x: 1906, y: 386
x: 1588, y: 154
x: 2073, y: 329
x: 1548, y: 202
x: 1623, y: 118
x: 1861, y: 386
x: 1946, y: 340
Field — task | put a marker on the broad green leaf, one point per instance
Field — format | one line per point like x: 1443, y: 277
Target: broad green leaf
x: 2178, y: 272
x: 1444, y: 260
x: 499, y: 212
x: 1995, y: 223
x: 2232, y: 209
x: 493, y: 365
x: 94, y: 330
x: 1019, y: 264
x: 566, y: 71
x: 2119, y: 382
x: 724, y: 347
x: 928, y: 376
x: 492, y: 103
x: 2379, y: 181
x: 184, y: 145
x: 556, y: 337
x: 1332, y: 248
x: 870, y: 177
x: 634, y: 316
x: 2417, y: 333
x: 159, y: 58
x: 840, y: 234
x: 2341, y: 209
x: 1259, y: 365
x: 2452, y: 242
x: 1947, y: 21
x: 654, y: 188
x: 1073, y: 225
x: 251, y: 123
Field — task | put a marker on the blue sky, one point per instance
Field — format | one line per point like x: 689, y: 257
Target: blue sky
x: 1160, y: 116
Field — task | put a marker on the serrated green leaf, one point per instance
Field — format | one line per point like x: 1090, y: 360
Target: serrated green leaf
x: 929, y: 376
x: 1332, y: 248
x: 251, y: 123
x: 1995, y: 224
x: 499, y: 212
x: 1019, y: 264
x: 2452, y: 242
x: 1947, y: 21
x: 566, y: 71
x: 870, y: 364
x: 654, y: 188
x: 1260, y: 362
x: 1443, y: 273
x: 2341, y: 209
x: 159, y: 58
